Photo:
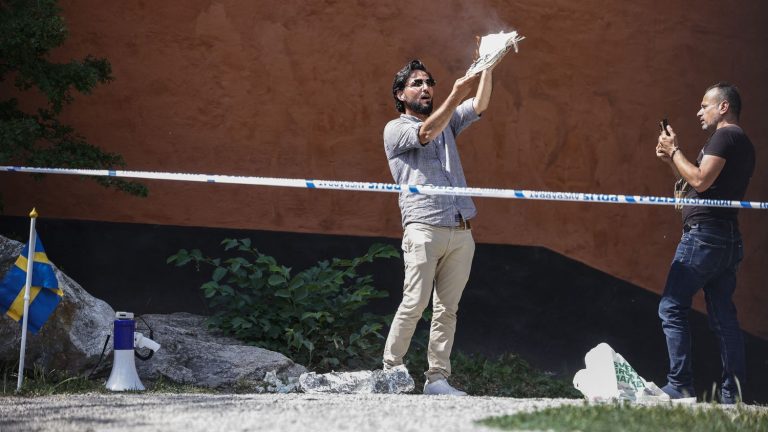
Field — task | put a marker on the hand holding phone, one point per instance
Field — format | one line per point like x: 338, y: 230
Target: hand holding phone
x: 663, y: 125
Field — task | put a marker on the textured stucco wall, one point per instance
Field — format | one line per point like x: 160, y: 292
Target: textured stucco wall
x: 301, y: 89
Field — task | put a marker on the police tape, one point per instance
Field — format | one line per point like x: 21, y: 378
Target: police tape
x: 396, y: 188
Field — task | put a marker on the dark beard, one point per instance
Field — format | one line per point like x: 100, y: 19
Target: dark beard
x: 419, y: 108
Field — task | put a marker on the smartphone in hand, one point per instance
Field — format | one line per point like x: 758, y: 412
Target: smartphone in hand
x: 663, y: 126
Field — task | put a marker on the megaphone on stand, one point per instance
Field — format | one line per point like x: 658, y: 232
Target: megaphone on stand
x: 123, y: 376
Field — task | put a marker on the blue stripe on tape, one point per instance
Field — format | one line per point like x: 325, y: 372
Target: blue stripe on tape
x: 413, y: 189
x: 519, y: 194
x: 211, y: 180
x: 630, y: 199
x: 112, y: 173
x: 746, y: 204
x: 310, y: 184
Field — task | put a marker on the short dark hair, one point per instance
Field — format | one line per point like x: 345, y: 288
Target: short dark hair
x: 730, y: 93
x: 402, y: 76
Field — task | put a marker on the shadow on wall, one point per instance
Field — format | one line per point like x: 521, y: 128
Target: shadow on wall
x: 545, y: 307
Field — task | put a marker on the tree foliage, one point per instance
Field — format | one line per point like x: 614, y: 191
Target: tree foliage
x: 30, y: 30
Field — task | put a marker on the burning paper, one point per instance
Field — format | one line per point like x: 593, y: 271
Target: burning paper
x: 492, y: 49
x: 395, y: 380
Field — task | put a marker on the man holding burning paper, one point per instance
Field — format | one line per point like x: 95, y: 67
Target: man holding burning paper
x: 437, y: 241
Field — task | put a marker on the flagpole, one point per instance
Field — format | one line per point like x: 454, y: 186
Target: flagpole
x: 27, y: 285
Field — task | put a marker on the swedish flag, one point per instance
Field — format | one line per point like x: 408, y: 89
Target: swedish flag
x: 44, y: 292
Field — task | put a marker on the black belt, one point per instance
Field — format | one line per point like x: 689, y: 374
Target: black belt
x: 722, y: 224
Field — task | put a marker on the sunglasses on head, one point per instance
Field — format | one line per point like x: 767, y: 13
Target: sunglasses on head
x: 420, y: 82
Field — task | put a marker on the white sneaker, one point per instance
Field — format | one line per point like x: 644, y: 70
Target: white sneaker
x: 441, y: 387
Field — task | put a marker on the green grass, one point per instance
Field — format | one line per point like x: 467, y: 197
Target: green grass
x: 507, y: 375
x: 629, y: 418
x: 163, y: 385
x: 40, y: 383
x: 44, y: 383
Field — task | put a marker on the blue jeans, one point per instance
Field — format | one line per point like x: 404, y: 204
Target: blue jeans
x: 707, y: 258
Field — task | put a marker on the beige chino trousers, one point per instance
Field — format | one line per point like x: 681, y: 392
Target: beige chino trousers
x: 437, y: 264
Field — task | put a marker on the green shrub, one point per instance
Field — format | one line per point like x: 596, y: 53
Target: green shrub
x: 507, y: 375
x: 314, y: 317
x: 510, y: 376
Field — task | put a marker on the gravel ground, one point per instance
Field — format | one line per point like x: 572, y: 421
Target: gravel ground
x: 261, y: 412
x: 268, y: 412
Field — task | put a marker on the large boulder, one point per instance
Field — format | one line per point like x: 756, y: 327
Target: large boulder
x: 191, y: 353
x: 73, y: 337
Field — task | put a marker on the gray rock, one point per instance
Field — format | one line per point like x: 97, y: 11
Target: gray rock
x: 71, y: 339
x: 191, y: 353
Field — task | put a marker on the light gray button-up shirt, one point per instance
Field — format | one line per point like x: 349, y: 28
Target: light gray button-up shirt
x: 436, y: 163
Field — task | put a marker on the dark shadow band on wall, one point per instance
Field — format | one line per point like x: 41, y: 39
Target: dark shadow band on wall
x: 527, y: 300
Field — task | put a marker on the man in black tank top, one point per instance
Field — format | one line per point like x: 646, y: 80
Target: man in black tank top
x: 710, y: 249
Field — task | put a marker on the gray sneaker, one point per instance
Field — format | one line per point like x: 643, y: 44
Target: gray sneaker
x: 441, y: 387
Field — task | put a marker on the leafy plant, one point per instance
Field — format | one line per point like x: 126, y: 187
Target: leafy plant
x: 507, y: 375
x: 510, y: 376
x: 315, y: 316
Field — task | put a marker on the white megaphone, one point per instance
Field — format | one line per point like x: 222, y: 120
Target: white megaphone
x: 126, y: 338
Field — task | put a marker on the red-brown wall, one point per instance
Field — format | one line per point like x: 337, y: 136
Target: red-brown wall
x: 301, y: 89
